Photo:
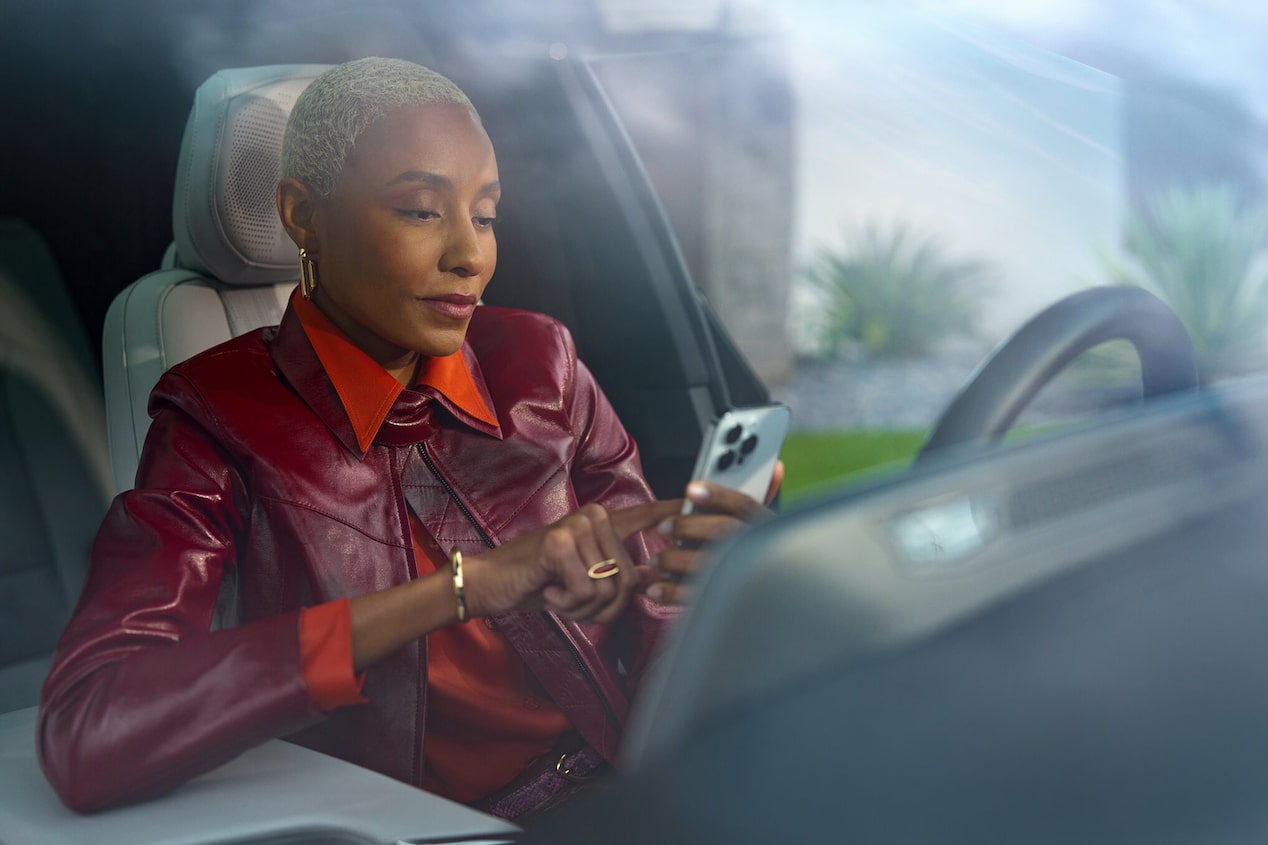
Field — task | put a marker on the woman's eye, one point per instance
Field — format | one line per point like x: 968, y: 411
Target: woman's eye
x: 484, y: 222
x: 420, y: 213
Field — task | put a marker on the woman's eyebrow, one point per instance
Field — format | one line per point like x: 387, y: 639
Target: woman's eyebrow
x: 440, y: 181
x: 422, y: 176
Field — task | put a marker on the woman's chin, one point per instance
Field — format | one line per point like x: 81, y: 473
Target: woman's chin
x: 439, y: 343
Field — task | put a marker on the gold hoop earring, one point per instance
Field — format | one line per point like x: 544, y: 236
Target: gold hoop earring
x: 307, y: 274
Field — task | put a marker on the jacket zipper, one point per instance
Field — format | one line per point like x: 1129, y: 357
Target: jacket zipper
x: 444, y: 482
x: 572, y: 648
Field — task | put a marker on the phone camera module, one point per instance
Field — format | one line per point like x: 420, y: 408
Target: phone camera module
x: 725, y: 460
x: 749, y: 444
x: 733, y: 435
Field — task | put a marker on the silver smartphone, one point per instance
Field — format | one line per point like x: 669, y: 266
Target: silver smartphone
x: 740, y: 449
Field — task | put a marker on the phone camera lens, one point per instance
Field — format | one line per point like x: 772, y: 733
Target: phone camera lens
x: 749, y: 444
x: 725, y: 461
x: 734, y: 434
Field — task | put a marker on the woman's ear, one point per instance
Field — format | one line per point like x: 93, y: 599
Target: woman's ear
x: 297, y: 207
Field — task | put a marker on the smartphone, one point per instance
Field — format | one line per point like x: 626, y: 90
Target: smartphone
x: 740, y: 449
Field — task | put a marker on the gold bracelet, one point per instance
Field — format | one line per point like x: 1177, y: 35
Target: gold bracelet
x: 455, y: 566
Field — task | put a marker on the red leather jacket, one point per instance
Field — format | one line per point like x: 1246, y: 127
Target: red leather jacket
x: 254, y: 499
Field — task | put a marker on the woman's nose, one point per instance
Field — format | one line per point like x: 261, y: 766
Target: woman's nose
x: 466, y: 251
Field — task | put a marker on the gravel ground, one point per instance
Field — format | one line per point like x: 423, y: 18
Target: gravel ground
x: 912, y: 394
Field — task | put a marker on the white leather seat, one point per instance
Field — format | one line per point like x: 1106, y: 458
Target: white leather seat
x: 54, y: 468
x: 231, y: 267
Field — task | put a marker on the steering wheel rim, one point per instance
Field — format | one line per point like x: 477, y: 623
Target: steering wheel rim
x: 1005, y: 383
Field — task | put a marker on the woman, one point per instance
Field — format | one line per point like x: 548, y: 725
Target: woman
x: 350, y: 488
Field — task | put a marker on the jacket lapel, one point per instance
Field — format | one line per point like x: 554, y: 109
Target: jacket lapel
x: 298, y: 363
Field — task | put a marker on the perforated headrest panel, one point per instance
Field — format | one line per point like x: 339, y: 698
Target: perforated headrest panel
x: 224, y: 213
x: 251, y: 172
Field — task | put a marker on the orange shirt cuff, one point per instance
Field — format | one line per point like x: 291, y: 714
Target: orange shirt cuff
x: 325, y: 648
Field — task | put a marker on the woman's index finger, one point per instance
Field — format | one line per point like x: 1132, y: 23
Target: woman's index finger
x: 628, y: 521
x: 718, y: 498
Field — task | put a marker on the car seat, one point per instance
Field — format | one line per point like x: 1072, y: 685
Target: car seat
x: 231, y: 266
x: 54, y: 466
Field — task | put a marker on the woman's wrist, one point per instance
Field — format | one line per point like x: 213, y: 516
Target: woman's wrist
x: 385, y: 620
x: 485, y: 587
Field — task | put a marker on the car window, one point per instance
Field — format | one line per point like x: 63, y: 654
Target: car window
x: 961, y: 163
x: 903, y: 185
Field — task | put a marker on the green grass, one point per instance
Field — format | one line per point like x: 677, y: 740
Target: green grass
x: 821, y: 461
x: 815, y: 462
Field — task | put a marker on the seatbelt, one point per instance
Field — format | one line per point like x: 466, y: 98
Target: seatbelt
x: 249, y: 308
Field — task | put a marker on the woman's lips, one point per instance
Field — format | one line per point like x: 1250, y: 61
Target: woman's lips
x: 455, y: 306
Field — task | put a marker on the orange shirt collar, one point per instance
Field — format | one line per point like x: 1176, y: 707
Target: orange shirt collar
x: 367, y: 391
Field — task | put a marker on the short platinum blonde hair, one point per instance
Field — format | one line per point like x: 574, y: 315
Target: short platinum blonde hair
x: 338, y: 105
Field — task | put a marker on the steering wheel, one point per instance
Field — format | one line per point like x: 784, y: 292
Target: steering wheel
x: 1009, y: 378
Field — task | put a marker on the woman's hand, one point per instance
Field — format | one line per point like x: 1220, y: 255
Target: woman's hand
x: 717, y: 511
x: 554, y: 568
x: 546, y: 570
x: 559, y: 568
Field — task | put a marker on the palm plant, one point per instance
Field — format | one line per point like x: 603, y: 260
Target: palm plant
x: 1202, y: 251
x: 893, y: 293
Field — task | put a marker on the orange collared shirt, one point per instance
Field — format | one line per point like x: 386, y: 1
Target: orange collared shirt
x: 487, y: 716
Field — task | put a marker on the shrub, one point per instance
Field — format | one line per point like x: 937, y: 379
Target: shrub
x: 894, y: 293
x: 1202, y: 251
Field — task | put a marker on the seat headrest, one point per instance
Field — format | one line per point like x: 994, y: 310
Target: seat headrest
x: 224, y: 214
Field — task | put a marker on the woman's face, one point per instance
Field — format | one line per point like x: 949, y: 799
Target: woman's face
x: 405, y: 240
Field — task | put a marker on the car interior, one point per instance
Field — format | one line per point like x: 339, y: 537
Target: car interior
x: 231, y: 267
x: 872, y: 650
x: 53, y: 460
x: 1054, y: 642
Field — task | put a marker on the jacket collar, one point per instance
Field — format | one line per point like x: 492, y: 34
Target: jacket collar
x: 359, y: 401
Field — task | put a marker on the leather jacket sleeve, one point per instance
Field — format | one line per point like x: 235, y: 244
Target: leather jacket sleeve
x: 606, y: 470
x: 138, y: 676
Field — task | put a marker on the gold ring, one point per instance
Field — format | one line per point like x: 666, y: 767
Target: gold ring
x: 567, y: 774
x: 603, y: 569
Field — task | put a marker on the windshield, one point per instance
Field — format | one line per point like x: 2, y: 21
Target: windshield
x: 907, y: 184
x: 870, y: 196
